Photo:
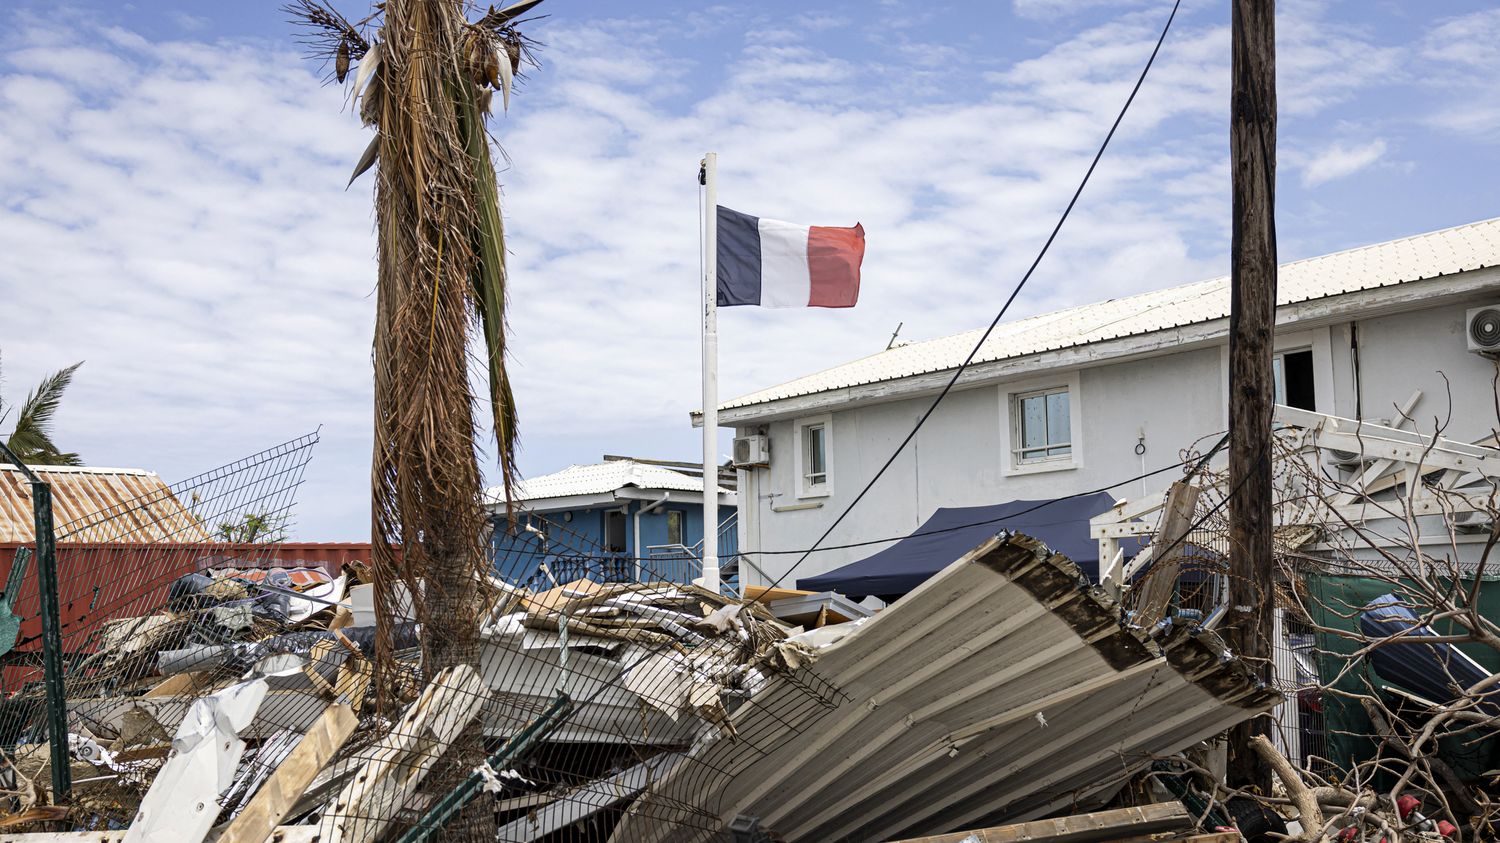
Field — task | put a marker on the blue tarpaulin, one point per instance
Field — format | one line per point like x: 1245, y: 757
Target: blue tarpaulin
x: 1062, y: 525
x: 1435, y: 672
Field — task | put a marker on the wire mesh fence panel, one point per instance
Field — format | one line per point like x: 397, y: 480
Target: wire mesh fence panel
x: 135, y: 580
x: 211, y: 684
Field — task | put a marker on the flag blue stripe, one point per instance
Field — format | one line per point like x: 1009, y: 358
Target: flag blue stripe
x: 738, y: 279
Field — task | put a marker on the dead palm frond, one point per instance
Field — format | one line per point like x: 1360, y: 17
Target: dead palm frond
x: 423, y: 81
x: 31, y: 438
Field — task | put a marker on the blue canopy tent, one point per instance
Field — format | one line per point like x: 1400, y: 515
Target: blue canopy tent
x: 1435, y: 672
x: 1062, y: 525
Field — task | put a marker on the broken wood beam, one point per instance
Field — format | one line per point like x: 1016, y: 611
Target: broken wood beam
x: 1167, y: 550
x: 270, y: 805
x: 1081, y: 828
x: 397, y: 764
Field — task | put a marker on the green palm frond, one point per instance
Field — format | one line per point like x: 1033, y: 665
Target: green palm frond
x: 32, y: 437
x: 489, y: 281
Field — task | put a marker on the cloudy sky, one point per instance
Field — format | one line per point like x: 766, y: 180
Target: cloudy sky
x: 173, y: 212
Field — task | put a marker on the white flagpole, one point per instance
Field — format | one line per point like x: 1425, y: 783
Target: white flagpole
x: 711, y: 375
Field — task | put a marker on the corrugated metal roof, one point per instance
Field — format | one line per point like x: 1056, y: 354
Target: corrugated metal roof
x: 120, y: 505
x: 1452, y: 250
x: 599, y: 479
x: 998, y: 691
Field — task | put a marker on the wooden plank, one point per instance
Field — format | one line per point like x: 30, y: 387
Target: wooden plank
x: 270, y: 805
x: 1167, y: 550
x: 400, y: 761
x: 1082, y: 828
x: 755, y: 592
x: 183, y: 683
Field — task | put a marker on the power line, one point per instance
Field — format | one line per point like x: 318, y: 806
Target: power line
x: 649, y: 652
x: 958, y: 373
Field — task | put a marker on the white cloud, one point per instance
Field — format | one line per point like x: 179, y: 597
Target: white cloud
x: 1467, y: 50
x: 1472, y: 40
x: 1045, y: 9
x: 1341, y: 160
x: 184, y: 228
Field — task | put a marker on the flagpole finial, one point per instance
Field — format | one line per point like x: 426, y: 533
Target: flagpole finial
x: 702, y: 172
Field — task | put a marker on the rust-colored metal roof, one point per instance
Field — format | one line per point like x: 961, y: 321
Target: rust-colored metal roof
x: 119, y: 505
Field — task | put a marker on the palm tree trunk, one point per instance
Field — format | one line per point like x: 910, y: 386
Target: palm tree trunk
x: 426, y: 478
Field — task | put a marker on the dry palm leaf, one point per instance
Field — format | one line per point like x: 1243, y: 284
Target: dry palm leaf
x: 507, y: 75
x: 366, y: 160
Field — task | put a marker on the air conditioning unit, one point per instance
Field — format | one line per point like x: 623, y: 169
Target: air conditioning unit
x: 753, y: 451
x: 1482, y: 328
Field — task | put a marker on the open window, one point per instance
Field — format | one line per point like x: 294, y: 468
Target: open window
x: 674, y: 527
x: 814, y: 448
x: 614, y: 531
x: 1292, y: 376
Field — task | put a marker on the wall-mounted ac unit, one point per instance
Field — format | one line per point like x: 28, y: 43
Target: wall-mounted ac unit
x: 753, y: 451
x: 1482, y: 329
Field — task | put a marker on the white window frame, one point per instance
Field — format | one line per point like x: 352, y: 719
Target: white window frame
x: 1010, y: 425
x: 799, y: 433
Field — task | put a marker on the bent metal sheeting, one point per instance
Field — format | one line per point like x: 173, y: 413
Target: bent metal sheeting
x: 1000, y: 690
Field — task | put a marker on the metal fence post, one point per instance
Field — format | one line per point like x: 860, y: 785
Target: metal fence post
x: 52, y: 667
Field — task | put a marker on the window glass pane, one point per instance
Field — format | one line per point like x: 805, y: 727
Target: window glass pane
x: 1278, y: 379
x: 1033, y: 421
x: 674, y: 527
x: 1058, y: 428
x: 814, y: 452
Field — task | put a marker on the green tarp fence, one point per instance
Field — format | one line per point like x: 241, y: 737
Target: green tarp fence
x: 1335, y: 602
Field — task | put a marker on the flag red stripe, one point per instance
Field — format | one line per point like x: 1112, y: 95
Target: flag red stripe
x: 833, y: 259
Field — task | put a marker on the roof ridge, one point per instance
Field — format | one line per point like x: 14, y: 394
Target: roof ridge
x: 1455, y: 255
x: 1407, y: 239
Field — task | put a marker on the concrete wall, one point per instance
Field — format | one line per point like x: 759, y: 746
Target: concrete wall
x: 1167, y: 402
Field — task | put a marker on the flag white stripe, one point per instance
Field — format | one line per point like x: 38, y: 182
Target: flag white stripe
x: 784, y: 277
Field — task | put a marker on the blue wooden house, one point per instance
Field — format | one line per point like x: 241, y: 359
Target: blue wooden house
x: 621, y: 520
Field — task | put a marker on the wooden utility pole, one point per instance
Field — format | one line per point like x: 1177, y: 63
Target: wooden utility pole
x: 1252, y: 321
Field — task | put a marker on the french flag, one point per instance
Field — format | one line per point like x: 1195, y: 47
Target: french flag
x: 781, y: 264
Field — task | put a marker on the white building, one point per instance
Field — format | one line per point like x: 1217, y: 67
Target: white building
x: 1081, y: 398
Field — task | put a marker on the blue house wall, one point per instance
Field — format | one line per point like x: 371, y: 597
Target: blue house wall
x: 581, y: 533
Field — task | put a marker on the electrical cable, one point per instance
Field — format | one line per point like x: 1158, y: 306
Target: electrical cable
x: 649, y: 652
x: 1047, y: 245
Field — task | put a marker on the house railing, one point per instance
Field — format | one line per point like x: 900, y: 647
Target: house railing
x: 684, y: 563
x: 671, y: 563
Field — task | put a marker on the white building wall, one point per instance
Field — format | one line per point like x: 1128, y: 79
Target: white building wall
x: 1415, y: 350
x: 1173, y: 399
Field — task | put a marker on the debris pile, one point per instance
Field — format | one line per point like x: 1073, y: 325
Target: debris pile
x: 1003, y: 689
